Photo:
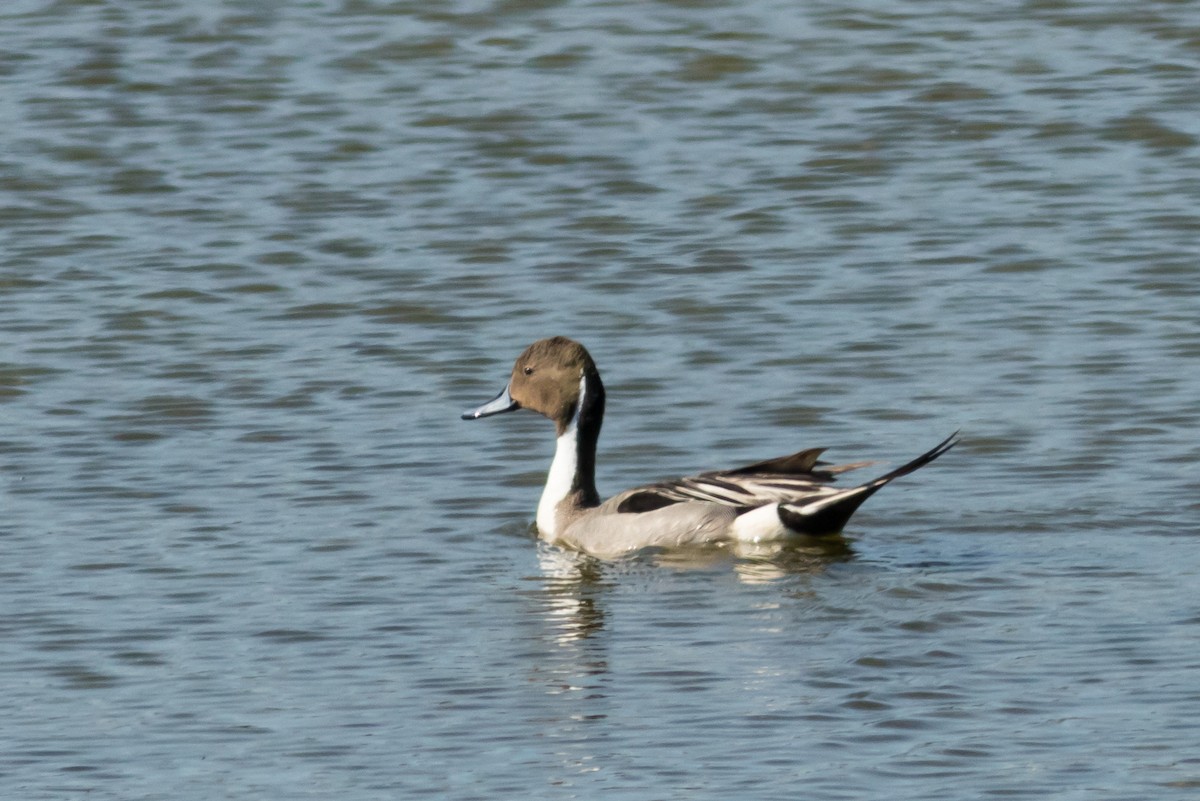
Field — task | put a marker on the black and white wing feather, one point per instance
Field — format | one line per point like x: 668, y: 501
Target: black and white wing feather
x: 799, y: 482
x: 794, y: 478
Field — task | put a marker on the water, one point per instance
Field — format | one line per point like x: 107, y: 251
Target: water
x: 257, y: 258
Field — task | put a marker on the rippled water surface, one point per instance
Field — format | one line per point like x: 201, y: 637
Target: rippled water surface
x: 257, y: 257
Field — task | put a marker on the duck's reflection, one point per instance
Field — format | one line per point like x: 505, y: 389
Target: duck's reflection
x: 572, y: 676
x: 571, y: 586
x: 767, y: 563
x: 574, y: 584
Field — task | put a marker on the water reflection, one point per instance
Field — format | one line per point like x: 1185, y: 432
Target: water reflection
x: 767, y: 563
x: 573, y: 584
x: 571, y: 588
x: 754, y: 562
x: 565, y: 569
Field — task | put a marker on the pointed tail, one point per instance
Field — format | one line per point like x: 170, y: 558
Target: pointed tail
x: 830, y: 514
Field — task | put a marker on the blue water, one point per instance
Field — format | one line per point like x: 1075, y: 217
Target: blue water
x: 255, y: 262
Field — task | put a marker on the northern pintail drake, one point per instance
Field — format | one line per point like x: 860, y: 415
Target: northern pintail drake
x: 790, y: 497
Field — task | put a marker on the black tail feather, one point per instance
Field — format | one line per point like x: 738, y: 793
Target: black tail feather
x: 916, y: 464
x: 823, y: 518
x: 827, y: 520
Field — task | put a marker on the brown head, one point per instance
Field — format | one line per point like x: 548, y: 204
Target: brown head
x: 548, y: 378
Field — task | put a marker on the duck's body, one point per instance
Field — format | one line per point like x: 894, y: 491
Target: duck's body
x: 775, y: 500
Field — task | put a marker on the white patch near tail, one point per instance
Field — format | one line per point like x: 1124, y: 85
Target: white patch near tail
x: 760, y: 525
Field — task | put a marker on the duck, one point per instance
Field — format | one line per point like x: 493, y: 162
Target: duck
x: 786, y: 499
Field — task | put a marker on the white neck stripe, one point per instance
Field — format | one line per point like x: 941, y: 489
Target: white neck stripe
x: 561, y: 479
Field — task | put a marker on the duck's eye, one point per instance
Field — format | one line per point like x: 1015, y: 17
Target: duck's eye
x: 528, y: 371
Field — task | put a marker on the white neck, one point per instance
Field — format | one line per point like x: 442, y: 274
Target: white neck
x: 561, y: 479
x: 558, y: 483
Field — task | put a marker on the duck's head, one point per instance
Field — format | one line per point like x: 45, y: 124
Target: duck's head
x: 549, y: 378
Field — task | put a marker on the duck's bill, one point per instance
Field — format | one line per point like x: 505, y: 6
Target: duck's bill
x: 498, y: 405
